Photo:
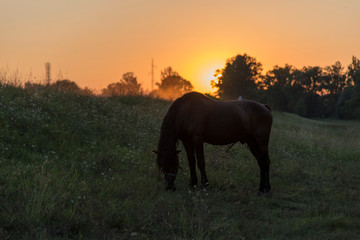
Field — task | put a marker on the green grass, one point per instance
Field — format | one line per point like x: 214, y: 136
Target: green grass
x: 82, y: 167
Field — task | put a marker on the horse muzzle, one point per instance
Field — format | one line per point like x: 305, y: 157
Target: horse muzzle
x: 170, y: 186
x: 169, y: 181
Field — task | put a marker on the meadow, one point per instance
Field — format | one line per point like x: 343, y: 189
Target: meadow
x: 82, y: 167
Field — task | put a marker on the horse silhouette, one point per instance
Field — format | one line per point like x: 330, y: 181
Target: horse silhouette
x: 196, y: 119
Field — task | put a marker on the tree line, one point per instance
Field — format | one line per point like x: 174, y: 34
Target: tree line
x: 312, y: 91
x: 171, y: 86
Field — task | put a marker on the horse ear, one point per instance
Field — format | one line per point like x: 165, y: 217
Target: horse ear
x: 178, y: 151
x: 156, y: 152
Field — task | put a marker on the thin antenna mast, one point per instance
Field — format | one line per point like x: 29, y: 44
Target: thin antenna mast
x: 152, y: 74
x: 47, y: 71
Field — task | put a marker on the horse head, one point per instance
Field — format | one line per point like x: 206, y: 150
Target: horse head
x: 168, y: 164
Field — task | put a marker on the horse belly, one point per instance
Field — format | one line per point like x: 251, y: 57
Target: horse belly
x: 221, y: 126
x: 224, y: 137
x: 220, y: 141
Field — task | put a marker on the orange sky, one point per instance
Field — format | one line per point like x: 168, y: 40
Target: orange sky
x: 93, y: 42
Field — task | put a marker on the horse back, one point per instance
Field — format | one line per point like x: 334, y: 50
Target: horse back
x: 220, y: 122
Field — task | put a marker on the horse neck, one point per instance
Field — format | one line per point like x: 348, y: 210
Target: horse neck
x: 168, y: 138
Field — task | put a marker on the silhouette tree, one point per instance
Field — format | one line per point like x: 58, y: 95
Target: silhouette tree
x: 239, y: 77
x: 353, y: 73
x: 334, y: 80
x: 87, y: 91
x: 311, y: 79
x: 66, y: 86
x: 128, y: 85
x: 311, y: 91
x: 278, y: 84
x: 172, y: 85
x: 333, y: 83
x: 350, y: 105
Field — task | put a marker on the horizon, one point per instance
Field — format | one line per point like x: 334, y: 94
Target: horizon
x: 93, y: 43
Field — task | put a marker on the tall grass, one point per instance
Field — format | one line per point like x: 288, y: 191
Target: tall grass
x: 81, y: 167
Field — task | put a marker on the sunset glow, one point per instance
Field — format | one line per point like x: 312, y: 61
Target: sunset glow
x: 200, y: 71
x: 207, y: 74
x: 94, y: 42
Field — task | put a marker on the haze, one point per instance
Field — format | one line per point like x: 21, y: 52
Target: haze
x: 94, y: 42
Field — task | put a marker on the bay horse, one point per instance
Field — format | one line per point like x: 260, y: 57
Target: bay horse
x: 196, y: 119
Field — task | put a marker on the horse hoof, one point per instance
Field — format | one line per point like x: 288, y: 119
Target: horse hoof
x: 170, y: 188
x: 259, y: 193
x: 205, y: 185
x: 267, y: 194
x: 263, y: 194
x: 192, y: 186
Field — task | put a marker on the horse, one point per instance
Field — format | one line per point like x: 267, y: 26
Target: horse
x: 196, y: 119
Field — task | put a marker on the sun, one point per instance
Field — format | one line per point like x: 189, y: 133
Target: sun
x: 207, y: 73
x: 202, y: 68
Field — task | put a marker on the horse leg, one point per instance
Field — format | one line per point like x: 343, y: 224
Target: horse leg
x: 190, y: 152
x: 260, y: 151
x: 199, y: 149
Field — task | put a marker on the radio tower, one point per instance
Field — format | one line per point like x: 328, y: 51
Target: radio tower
x: 152, y: 74
x: 47, y: 72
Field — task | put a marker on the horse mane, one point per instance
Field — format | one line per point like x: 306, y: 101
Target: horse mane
x: 168, y: 135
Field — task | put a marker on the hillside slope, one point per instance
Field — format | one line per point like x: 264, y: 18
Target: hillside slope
x: 74, y: 167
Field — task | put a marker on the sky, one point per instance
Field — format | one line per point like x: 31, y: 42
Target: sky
x: 94, y: 42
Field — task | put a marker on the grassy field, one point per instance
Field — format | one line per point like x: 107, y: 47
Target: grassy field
x: 82, y: 167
